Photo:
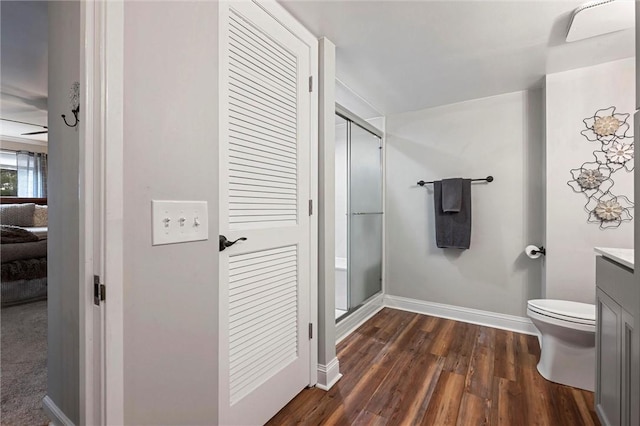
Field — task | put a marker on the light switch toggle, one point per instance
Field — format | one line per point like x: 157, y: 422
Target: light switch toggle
x: 178, y: 221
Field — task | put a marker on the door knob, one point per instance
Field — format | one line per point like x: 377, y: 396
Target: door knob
x: 224, y: 243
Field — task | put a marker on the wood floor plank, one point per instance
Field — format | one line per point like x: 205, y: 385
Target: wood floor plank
x: 474, y: 410
x: 478, y: 380
x: 443, y: 338
x: 505, y: 355
x: 539, y: 402
x: 460, y: 350
x: 369, y: 419
x: 445, y: 402
x: 421, y: 397
x: 511, y: 404
x: 402, y: 368
x: 564, y: 404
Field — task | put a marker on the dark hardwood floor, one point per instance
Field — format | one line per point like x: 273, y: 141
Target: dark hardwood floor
x: 401, y: 368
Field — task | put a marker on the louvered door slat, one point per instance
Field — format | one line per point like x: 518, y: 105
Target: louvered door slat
x: 257, y: 105
x: 265, y: 128
x: 250, y: 322
x: 261, y: 168
x: 252, y: 129
x: 251, y: 334
x: 254, y: 94
x: 239, y: 130
x: 260, y: 151
x: 259, y: 373
x: 272, y: 344
x: 247, y: 310
x: 265, y: 123
x: 264, y: 41
x: 243, y: 64
x: 280, y: 75
x: 265, y: 174
x: 254, y: 46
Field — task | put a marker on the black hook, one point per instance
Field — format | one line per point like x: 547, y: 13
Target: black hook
x: 224, y: 243
x: 75, y: 115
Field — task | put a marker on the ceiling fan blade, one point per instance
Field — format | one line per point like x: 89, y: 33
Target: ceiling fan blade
x: 34, y: 133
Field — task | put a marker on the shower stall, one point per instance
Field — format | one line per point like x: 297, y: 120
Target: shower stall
x: 359, y: 211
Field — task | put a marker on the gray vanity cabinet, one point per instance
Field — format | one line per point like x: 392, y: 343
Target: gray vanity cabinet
x: 614, y: 343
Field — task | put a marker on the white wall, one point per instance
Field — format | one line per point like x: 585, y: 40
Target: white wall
x: 63, y: 248
x: 572, y: 96
x: 499, y: 136
x: 171, y: 153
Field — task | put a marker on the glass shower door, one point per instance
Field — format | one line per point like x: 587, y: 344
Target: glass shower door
x: 365, y: 215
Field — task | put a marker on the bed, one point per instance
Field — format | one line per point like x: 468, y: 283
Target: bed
x: 23, y: 253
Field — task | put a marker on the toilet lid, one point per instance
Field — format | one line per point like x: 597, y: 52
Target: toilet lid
x: 564, y: 309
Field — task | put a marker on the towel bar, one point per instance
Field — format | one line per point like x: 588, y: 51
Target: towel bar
x: 487, y: 179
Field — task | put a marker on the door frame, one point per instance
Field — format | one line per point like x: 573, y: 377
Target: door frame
x: 101, y: 209
x: 102, y: 77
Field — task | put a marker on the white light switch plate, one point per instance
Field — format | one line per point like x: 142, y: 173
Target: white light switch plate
x: 179, y: 221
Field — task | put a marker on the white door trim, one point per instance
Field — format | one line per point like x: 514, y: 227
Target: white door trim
x: 101, y: 207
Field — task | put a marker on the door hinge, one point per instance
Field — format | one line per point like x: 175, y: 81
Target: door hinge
x: 310, y: 83
x: 310, y: 207
x: 99, y: 290
x: 310, y: 331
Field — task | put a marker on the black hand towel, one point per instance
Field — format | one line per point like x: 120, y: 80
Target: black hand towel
x: 453, y: 229
x: 451, y: 195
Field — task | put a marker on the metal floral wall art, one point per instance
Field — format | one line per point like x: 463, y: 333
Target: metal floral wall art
x: 594, y: 179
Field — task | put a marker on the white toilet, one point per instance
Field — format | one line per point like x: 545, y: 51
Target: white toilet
x: 568, y: 354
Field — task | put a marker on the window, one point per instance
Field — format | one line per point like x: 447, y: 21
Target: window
x: 23, y: 174
x: 8, y: 174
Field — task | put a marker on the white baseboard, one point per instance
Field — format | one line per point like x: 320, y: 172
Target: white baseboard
x: 328, y: 375
x: 346, y: 326
x: 55, y: 414
x: 473, y: 316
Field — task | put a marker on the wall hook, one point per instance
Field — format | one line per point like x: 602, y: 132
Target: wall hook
x: 75, y: 115
x: 74, y: 100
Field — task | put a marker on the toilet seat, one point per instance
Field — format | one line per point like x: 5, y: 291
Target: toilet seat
x: 564, y: 310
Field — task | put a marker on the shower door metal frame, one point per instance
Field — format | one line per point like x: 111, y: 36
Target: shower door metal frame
x: 352, y: 118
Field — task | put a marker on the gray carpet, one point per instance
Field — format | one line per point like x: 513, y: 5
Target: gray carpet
x: 23, y: 369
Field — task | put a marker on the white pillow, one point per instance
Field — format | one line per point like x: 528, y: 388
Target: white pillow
x: 40, y: 216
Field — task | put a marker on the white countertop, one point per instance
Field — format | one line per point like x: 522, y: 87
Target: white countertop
x: 619, y: 255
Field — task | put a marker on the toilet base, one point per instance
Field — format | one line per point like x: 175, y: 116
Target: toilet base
x: 567, y: 363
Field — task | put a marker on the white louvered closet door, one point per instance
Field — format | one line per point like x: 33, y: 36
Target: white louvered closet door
x: 264, y: 193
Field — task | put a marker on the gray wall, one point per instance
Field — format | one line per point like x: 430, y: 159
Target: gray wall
x: 170, y: 153
x: 572, y: 96
x: 63, y: 247
x: 499, y: 136
x: 326, y: 203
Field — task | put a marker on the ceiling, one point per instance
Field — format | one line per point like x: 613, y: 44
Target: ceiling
x: 398, y: 55
x: 23, y: 67
x: 408, y: 55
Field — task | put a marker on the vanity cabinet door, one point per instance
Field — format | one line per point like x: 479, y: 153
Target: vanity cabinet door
x: 608, y: 368
x: 625, y: 363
